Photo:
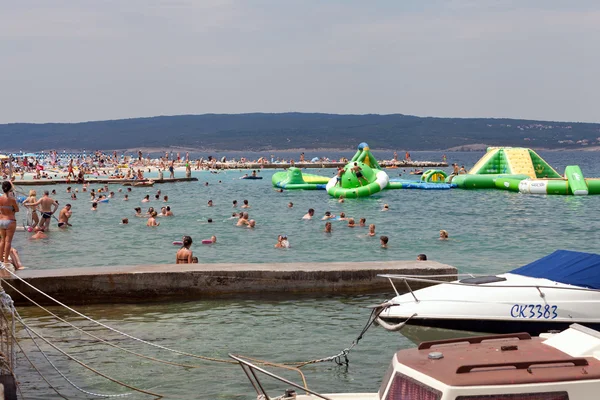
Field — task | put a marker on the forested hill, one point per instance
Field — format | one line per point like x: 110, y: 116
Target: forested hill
x: 260, y: 131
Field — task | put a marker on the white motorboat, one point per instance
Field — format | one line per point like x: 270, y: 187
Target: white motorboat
x: 546, y: 295
x: 563, y: 366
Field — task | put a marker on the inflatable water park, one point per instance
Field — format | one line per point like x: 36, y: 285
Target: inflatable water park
x: 522, y: 170
x: 515, y: 169
x: 362, y: 176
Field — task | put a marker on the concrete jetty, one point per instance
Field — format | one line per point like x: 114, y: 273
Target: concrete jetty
x: 169, y: 282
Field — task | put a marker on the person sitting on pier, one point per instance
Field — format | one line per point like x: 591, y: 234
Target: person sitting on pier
x: 184, y: 254
x: 462, y: 170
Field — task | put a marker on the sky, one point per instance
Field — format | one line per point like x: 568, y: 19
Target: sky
x: 82, y: 60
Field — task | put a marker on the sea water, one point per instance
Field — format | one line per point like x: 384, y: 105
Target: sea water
x: 490, y: 231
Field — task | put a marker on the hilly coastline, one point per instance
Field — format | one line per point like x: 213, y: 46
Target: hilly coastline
x: 284, y: 131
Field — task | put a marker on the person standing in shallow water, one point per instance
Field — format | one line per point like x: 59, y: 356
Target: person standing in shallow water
x: 8, y: 220
x: 184, y: 254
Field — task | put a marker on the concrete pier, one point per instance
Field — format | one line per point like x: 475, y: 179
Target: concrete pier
x: 169, y: 282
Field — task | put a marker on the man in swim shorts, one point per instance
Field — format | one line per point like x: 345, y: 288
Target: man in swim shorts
x: 63, y: 218
x: 358, y: 171
x: 48, y: 206
x: 340, y: 173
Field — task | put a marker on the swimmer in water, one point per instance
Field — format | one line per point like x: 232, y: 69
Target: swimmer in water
x: 126, y: 198
x: 372, y: 230
x: 290, y: 205
x: 184, y: 254
x: 309, y: 214
x: 234, y: 203
x: 278, y: 245
x: 210, y: 203
x: 63, y: 217
x: 351, y: 223
x: 444, y: 235
x: 243, y: 220
x: 165, y: 199
x: 328, y: 228
x: 152, y: 220
x: 94, y: 206
x: 327, y: 216
x: 341, y: 199
x: 284, y: 242
x: 385, y: 208
x: 213, y: 239
x: 384, y: 241
x: 421, y: 257
x: 39, y: 233
x: 146, y: 199
x: 251, y: 224
x: 124, y: 221
x: 343, y: 217
x: 169, y: 212
x: 138, y: 212
x: 246, y: 205
x: 362, y: 222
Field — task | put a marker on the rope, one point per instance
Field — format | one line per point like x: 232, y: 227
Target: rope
x: 2, y: 267
x: 158, y: 396
x: 36, y: 369
x: 99, y: 338
x: 341, y: 358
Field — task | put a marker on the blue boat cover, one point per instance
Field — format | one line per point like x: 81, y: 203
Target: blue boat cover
x: 569, y: 267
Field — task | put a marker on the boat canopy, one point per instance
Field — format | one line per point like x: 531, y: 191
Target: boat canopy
x: 564, y: 266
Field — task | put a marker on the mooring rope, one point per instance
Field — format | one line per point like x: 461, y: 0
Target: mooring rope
x: 28, y: 328
x: 340, y: 358
x: 97, y: 337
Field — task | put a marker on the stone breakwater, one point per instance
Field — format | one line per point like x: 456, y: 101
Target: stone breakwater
x: 175, y: 282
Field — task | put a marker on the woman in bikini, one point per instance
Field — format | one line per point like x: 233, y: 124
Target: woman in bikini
x: 35, y: 219
x: 8, y: 221
x: 184, y: 254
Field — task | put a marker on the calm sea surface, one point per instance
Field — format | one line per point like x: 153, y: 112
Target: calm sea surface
x: 490, y: 231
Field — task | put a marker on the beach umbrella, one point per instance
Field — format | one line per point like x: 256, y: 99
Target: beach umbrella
x: 3, y: 157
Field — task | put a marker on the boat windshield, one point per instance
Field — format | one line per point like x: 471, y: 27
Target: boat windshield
x: 478, y: 280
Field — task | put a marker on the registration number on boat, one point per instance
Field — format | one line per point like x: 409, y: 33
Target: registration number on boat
x: 534, y: 311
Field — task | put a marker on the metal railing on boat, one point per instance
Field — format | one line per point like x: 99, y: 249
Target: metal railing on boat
x: 426, y: 279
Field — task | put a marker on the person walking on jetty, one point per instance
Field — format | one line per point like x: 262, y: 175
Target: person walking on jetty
x: 184, y: 254
x: 8, y: 220
x: 48, y: 206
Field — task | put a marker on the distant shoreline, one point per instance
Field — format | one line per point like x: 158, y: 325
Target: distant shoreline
x: 322, y: 150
